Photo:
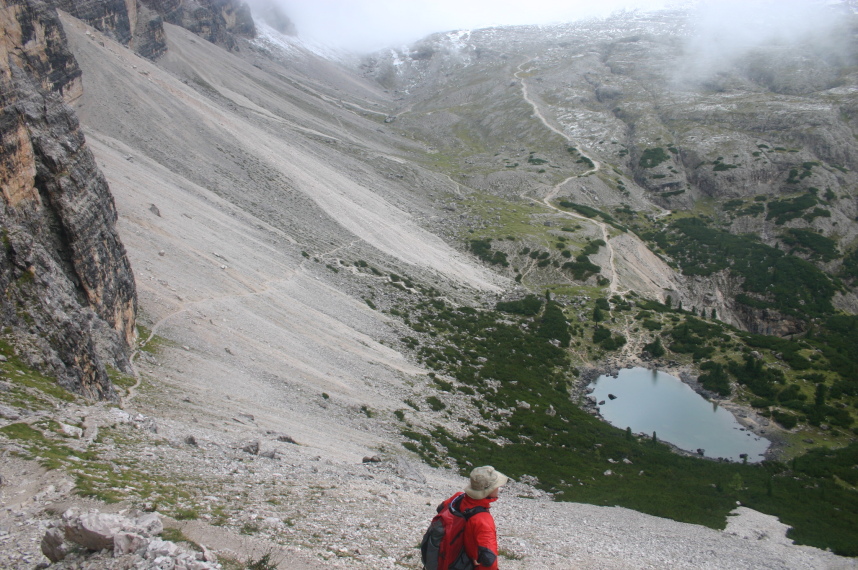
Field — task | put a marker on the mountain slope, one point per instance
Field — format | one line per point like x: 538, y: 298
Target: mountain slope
x: 757, y: 139
x: 289, y: 238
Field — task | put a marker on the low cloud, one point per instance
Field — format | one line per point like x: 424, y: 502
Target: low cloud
x: 726, y: 31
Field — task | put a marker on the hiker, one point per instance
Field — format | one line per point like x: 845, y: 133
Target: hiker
x: 442, y: 547
x: 481, y: 538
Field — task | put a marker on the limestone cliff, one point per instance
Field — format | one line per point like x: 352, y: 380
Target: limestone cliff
x: 69, y: 299
x: 139, y: 24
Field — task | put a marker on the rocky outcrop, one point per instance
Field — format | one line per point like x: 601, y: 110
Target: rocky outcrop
x: 68, y: 291
x: 133, y: 540
x: 139, y: 24
x: 219, y: 21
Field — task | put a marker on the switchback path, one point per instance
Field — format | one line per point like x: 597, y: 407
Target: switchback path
x: 613, y: 288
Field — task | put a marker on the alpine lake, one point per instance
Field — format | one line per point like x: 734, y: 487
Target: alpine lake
x: 650, y: 401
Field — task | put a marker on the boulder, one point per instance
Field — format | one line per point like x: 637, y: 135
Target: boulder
x: 144, y: 423
x: 9, y: 413
x: 92, y: 530
x: 98, y: 531
x: 158, y: 548
x: 53, y: 545
x: 148, y: 524
x: 251, y: 447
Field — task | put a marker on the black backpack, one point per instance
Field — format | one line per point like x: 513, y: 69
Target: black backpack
x: 443, y: 544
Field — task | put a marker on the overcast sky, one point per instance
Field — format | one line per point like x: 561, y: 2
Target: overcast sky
x: 367, y: 25
x: 373, y: 24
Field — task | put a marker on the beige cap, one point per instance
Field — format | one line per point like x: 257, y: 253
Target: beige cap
x: 483, y: 481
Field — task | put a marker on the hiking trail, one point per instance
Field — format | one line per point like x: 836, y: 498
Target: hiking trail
x: 613, y: 288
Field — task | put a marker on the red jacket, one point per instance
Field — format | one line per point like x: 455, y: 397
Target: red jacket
x: 481, y: 538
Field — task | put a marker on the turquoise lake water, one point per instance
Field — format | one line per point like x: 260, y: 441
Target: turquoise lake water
x: 651, y: 401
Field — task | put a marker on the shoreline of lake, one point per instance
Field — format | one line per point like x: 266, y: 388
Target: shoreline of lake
x: 746, y: 416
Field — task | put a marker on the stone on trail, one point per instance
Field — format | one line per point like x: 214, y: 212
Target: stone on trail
x: 128, y: 543
x: 53, y: 545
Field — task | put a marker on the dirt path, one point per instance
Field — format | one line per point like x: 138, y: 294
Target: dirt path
x: 538, y: 114
x: 614, y: 287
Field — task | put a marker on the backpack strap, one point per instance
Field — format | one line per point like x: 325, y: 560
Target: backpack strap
x: 475, y: 511
x: 466, y: 514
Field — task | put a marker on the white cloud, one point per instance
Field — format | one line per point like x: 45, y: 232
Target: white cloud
x: 373, y: 24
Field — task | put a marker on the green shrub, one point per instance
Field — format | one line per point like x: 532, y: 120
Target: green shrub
x: 482, y: 248
x: 436, y: 404
x: 788, y: 421
x: 652, y: 157
x: 529, y: 306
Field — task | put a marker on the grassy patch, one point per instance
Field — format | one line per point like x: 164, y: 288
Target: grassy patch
x: 151, y: 345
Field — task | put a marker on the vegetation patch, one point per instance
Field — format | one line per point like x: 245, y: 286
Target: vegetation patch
x: 482, y: 248
x: 782, y: 211
x: 849, y: 269
x: 811, y: 242
x: 529, y: 306
x: 720, y: 166
x: 788, y: 284
x: 652, y: 157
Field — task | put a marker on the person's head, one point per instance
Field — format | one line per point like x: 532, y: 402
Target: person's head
x: 485, y: 482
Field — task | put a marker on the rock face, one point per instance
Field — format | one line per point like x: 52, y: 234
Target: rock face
x: 218, y: 21
x: 69, y: 295
x: 139, y: 24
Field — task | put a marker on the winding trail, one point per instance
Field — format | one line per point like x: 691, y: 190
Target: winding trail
x: 538, y: 114
x: 614, y: 287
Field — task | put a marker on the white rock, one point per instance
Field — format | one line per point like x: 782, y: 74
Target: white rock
x: 92, y: 530
x: 160, y: 548
x: 71, y: 431
x: 128, y: 543
x: 148, y: 525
